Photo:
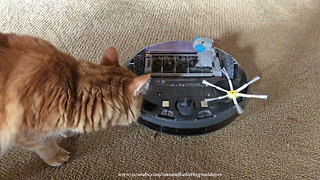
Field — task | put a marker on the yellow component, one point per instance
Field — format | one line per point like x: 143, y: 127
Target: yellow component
x: 147, y: 54
x: 232, y: 94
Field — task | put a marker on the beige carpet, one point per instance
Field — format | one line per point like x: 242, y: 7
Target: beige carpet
x: 278, y: 40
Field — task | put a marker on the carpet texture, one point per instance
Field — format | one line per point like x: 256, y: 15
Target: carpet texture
x: 277, y: 40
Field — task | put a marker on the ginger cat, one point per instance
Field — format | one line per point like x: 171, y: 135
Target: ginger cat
x: 45, y: 93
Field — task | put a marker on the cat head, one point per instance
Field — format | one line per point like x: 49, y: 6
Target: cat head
x: 132, y: 93
x: 137, y: 85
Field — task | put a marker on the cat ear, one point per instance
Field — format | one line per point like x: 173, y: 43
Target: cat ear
x: 110, y: 57
x: 137, y: 83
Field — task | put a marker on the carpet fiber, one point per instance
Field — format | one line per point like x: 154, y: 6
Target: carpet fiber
x: 277, y: 40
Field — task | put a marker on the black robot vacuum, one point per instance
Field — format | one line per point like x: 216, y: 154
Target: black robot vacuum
x: 177, y: 99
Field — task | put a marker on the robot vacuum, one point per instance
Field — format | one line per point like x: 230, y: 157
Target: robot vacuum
x: 184, y: 99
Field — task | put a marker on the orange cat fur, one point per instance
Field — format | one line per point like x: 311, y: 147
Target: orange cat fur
x: 45, y: 93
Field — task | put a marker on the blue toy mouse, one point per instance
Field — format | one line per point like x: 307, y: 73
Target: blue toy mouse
x: 207, y: 54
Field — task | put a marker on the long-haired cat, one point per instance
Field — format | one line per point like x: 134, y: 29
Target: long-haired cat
x: 45, y: 93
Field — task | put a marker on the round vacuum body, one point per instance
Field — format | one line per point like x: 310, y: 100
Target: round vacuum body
x: 174, y: 103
